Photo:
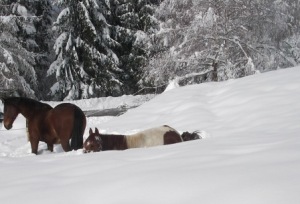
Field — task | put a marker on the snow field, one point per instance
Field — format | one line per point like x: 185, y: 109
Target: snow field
x: 249, y: 154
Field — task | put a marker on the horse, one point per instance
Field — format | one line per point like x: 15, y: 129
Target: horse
x: 163, y: 135
x: 51, y: 125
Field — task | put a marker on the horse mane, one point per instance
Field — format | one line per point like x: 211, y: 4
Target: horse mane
x: 28, y: 102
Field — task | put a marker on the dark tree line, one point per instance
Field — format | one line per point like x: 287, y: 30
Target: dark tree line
x: 89, y: 48
x: 72, y: 49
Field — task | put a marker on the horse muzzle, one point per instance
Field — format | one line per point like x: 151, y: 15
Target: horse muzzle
x: 7, y: 126
x: 92, y: 150
x: 86, y: 151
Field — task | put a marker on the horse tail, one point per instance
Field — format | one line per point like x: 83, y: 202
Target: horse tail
x: 187, y: 136
x: 78, y: 129
x: 27, y: 131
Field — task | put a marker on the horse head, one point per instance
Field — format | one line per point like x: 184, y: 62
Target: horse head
x: 93, y: 143
x: 10, y: 113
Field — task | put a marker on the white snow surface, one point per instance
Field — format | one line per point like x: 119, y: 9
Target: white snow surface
x: 250, y: 153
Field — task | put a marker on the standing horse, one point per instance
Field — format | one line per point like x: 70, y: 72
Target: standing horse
x: 163, y: 135
x: 50, y: 125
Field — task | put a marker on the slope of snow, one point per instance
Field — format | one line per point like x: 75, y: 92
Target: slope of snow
x: 250, y: 152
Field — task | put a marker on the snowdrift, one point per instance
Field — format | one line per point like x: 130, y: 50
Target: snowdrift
x: 249, y: 154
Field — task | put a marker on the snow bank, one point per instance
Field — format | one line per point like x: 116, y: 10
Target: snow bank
x: 109, y: 102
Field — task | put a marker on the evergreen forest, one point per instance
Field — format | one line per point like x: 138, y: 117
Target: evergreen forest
x: 76, y: 49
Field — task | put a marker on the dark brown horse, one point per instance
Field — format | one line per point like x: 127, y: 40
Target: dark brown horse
x: 163, y: 135
x: 50, y: 125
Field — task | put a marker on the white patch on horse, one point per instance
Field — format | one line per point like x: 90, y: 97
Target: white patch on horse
x: 148, y: 138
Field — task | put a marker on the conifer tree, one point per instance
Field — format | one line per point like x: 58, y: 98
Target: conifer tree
x: 132, y: 24
x: 44, y: 39
x: 24, y: 45
x: 101, y: 47
x: 85, y: 64
x: 18, y: 47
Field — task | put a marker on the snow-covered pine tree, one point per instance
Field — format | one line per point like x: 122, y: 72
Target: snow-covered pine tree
x: 16, y: 61
x: 24, y: 44
x: 132, y: 22
x: 85, y: 64
x: 44, y: 40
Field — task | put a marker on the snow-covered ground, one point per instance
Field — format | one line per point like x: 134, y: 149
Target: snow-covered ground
x: 250, y: 152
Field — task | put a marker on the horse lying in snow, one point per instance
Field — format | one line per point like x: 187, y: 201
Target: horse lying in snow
x: 163, y: 135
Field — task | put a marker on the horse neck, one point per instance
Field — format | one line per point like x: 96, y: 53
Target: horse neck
x: 114, y: 142
x: 30, y: 112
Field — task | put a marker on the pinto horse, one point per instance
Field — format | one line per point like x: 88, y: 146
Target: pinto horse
x: 51, y: 125
x: 163, y: 135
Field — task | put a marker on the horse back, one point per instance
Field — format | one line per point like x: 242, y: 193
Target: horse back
x: 62, y: 116
x: 114, y: 142
x: 154, y: 137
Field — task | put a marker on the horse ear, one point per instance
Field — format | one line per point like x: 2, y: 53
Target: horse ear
x: 91, y: 131
x: 96, y: 131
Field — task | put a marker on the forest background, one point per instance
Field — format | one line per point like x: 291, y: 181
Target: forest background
x: 74, y: 49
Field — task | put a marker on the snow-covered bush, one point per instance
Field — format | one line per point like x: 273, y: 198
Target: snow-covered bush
x: 222, y: 39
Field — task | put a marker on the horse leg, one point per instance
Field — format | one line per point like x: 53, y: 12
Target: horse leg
x: 66, y: 146
x: 34, y: 140
x: 34, y: 146
x: 50, y: 147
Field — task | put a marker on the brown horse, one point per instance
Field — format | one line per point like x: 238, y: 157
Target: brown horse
x: 50, y: 125
x: 163, y: 135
